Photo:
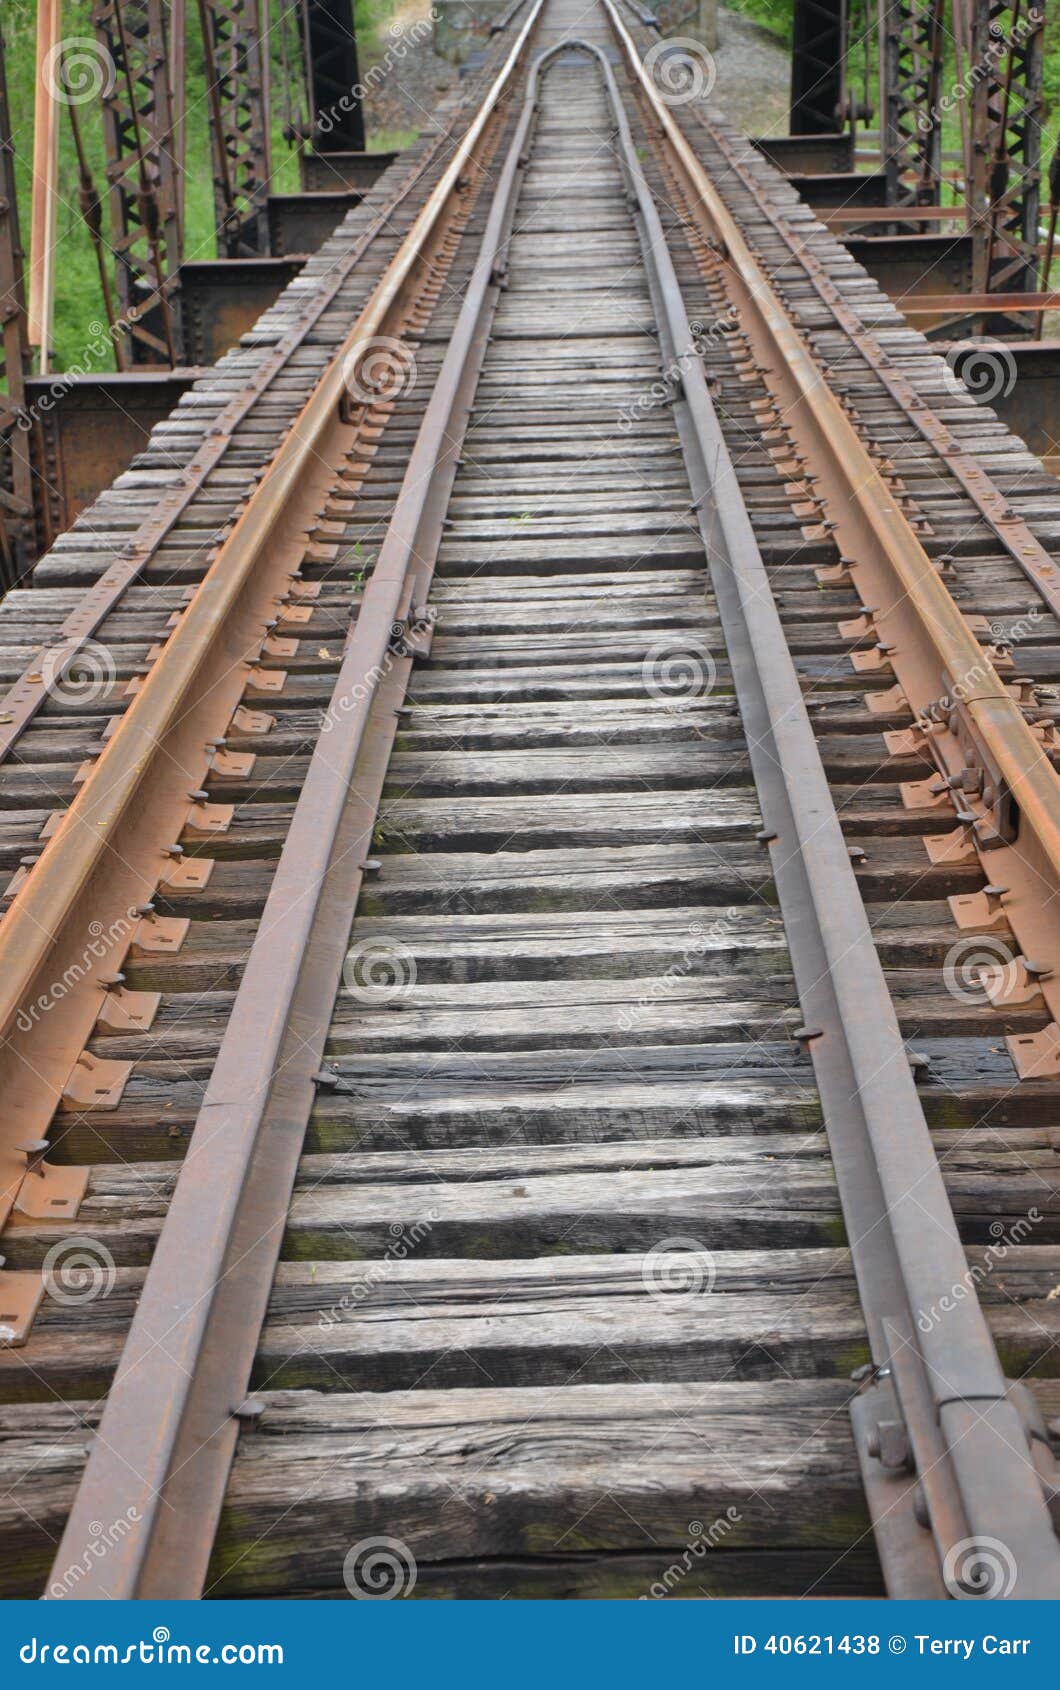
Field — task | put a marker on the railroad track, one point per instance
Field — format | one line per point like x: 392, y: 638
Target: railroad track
x: 653, y: 1191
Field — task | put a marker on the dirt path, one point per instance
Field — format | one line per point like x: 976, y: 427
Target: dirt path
x: 751, y: 90
x: 754, y: 73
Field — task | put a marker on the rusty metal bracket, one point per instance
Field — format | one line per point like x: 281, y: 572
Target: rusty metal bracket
x: 1036, y: 1056
x: 158, y: 935
x: 48, y: 1192
x: 126, y: 1012
x: 21, y: 1295
x: 975, y: 910
x: 95, y: 1082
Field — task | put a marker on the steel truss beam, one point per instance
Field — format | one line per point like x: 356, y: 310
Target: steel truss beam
x: 16, y: 480
x: 911, y: 38
x: 333, y: 76
x: 1004, y: 167
x: 235, y: 44
x: 818, y: 67
x: 142, y: 124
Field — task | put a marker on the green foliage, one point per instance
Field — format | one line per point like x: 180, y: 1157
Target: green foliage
x: 78, y: 294
x: 79, y: 300
x: 774, y: 15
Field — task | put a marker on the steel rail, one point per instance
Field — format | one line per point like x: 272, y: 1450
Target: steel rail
x: 1025, y: 550
x: 965, y: 1459
x: 154, y: 765
x: 21, y: 702
x: 171, y: 1422
x: 986, y: 753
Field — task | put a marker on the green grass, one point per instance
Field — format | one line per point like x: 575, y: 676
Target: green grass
x: 79, y: 301
x: 78, y: 295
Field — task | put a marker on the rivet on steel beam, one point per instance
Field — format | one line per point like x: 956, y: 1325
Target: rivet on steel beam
x: 918, y: 1062
x: 806, y: 1034
x: 765, y: 836
x: 888, y: 1443
x: 249, y: 1412
x: 869, y: 1372
x: 371, y: 865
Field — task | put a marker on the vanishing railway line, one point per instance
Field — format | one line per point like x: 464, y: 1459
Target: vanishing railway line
x: 654, y: 1189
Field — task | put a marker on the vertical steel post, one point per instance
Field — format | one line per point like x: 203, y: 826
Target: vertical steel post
x: 141, y: 121
x: 45, y: 172
x: 335, y: 104
x: 235, y: 46
x: 911, y: 38
x: 1006, y: 142
x: 16, y: 477
x: 818, y: 67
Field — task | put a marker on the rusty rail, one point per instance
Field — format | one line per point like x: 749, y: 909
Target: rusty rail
x: 147, y: 786
x: 172, y: 1417
x: 972, y: 722
x: 968, y: 1450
